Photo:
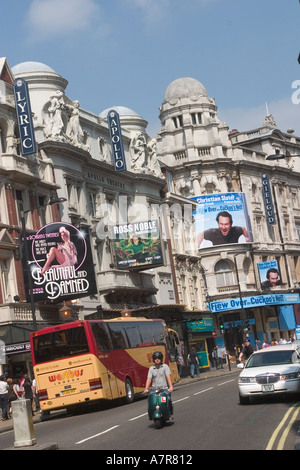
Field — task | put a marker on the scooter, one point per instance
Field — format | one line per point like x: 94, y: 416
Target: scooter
x: 159, y: 407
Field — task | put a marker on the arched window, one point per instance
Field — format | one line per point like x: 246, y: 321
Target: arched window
x: 223, y: 273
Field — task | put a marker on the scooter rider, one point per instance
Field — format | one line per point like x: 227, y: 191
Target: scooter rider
x: 160, y: 375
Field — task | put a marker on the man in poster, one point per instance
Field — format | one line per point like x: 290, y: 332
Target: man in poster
x: 225, y: 233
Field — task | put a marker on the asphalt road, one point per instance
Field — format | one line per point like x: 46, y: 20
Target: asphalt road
x: 207, y: 416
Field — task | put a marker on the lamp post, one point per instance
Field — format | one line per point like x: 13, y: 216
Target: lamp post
x: 244, y: 316
x: 57, y: 200
x: 279, y: 156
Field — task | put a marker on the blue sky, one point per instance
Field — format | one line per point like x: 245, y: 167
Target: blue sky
x: 126, y: 52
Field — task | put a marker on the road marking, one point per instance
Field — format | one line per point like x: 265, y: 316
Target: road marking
x: 228, y: 381
x: 287, y: 430
x: 181, y: 399
x: 97, y: 435
x: 137, y: 417
x: 202, y: 391
x: 280, y: 425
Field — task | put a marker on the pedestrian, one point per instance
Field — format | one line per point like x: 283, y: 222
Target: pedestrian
x: 220, y: 357
x: 258, y: 344
x: 35, y: 396
x: 28, y: 392
x: 179, y: 361
x: 214, y: 355
x: 4, y: 397
x: 194, y: 363
x: 247, y: 350
x: 12, y: 396
x: 160, y: 376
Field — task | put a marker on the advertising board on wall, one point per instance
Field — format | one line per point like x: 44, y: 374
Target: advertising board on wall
x: 269, y: 273
x: 61, y: 263
x: 222, y: 218
x: 137, y: 245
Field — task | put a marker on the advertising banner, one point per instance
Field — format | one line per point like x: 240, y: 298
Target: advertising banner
x: 23, y: 108
x: 253, y: 301
x: 221, y: 219
x: 61, y: 263
x: 269, y: 273
x: 138, y: 245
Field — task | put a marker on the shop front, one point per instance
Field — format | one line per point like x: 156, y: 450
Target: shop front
x: 201, y: 336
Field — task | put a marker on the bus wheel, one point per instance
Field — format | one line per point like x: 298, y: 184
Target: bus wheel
x: 128, y: 391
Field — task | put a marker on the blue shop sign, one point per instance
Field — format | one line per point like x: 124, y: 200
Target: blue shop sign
x: 254, y: 301
x: 114, y: 125
x: 206, y: 324
x: 24, y: 115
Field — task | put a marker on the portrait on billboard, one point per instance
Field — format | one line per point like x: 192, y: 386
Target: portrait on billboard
x: 138, y: 245
x: 222, y: 219
x: 61, y: 263
x: 269, y: 274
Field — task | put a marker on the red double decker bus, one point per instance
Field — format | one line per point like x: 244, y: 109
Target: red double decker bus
x: 84, y: 361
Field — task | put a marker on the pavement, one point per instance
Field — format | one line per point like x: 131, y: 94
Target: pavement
x: 6, y: 426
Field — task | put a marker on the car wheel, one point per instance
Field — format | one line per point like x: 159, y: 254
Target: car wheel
x: 244, y: 400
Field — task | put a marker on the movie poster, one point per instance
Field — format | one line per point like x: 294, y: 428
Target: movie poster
x: 61, y: 263
x: 222, y: 219
x: 137, y: 245
x: 269, y: 273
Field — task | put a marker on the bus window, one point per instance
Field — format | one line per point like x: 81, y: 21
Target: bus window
x: 133, y: 334
x: 159, y: 333
x: 146, y: 333
x: 118, y: 335
x: 101, y: 335
x: 60, y: 344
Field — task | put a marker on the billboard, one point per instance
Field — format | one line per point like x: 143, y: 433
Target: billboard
x: 137, y: 245
x: 61, y: 263
x: 221, y: 219
x: 269, y: 273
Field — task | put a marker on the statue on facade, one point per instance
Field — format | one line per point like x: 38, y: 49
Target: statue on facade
x: 54, y: 125
x: 74, y: 130
x: 138, y: 152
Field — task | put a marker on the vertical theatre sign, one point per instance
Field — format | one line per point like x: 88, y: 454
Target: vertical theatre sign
x: 116, y: 140
x: 267, y: 195
x: 23, y: 108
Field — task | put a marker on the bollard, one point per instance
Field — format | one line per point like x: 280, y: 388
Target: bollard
x: 23, y: 423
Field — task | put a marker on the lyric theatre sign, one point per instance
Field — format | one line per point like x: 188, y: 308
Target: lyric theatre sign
x: 24, y: 115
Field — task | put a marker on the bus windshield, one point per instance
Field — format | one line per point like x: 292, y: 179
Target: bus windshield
x: 60, y: 344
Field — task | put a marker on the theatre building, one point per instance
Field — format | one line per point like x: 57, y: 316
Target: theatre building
x: 246, y: 218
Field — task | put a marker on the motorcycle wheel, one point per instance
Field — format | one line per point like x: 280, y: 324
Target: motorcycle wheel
x: 158, y: 423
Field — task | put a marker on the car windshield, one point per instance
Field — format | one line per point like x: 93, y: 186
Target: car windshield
x: 270, y: 358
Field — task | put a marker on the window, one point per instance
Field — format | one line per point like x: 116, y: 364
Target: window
x: 4, y: 278
x: 118, y: 336
x: 92, y: 204
x: 196, y: 118
x: 223, y: 273
x: 101, y: 335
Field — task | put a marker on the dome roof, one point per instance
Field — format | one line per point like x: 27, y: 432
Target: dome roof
x: 184, y: 88
x: 30, y: 67
x: 121, y: 110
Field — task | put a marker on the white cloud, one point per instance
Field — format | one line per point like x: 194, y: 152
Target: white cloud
x: 57, y: 17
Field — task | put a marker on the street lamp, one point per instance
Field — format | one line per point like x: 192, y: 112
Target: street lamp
x: 57, y: 200
x: 279, y: 156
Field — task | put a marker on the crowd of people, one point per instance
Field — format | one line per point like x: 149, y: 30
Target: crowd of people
x: 17, y: 389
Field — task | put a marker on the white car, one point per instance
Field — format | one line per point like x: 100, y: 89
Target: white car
x: 271, y: 371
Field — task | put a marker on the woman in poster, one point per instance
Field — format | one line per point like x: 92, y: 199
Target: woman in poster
x: 65, y: 253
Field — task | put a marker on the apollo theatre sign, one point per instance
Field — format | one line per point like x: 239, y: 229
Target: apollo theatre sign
x: 116, y: 140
